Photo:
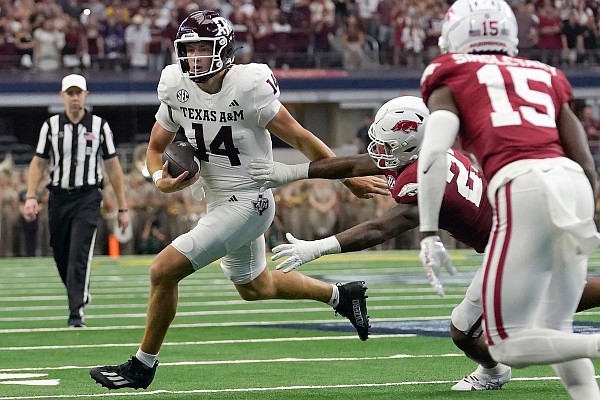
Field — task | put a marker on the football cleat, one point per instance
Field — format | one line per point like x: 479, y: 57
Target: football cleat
x: 131, y: 374
x: 353, y: 305
x: 76, y: 322
x: 481, y: 380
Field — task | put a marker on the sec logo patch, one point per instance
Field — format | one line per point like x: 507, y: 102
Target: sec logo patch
x: 183, y: 95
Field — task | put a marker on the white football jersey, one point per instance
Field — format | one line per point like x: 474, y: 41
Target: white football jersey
x: 226, y: 128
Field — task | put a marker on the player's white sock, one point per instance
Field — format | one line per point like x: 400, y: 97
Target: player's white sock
x: 335, y: 297
x: 578, y: 377
x: 147, y: 359
x: 543, y: 347
x: 497, y: 370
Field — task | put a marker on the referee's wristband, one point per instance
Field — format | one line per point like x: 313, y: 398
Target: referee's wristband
x: 156, y: 176
x: 31, y: 197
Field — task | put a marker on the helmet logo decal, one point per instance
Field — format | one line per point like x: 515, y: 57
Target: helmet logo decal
x: 406, y: 125
x: 223, y: 27
x: 183, y: 95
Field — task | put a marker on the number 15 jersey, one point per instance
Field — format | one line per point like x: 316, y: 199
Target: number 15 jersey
x: 508, y: 106
x: 228, y: 128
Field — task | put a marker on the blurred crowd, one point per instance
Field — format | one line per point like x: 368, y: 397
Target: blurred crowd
x: 138, y: 34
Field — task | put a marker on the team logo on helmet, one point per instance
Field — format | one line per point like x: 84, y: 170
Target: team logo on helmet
x: 223, y: 27
x: 406, y: 125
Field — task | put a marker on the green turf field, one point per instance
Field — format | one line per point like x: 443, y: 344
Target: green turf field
x: 220, y: 347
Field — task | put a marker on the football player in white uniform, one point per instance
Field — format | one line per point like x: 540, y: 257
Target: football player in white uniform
x: 227, y: 112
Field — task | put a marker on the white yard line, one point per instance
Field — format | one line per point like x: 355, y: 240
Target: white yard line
x: 205, y: 342
x: 218, y: 324
x: 31, y: 297
x: 372, y: 299
x: 253, y: 361
x: 225, y: 311
x: 263, y: 389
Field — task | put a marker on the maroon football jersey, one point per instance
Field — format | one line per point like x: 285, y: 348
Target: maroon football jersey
x: 508, y: 106
x: 466, y: 212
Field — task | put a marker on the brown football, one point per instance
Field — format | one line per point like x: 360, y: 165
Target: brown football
x: 181, y: 158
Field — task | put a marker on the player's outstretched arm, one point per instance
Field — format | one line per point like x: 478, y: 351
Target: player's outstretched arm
x: 358, y: 171
x: 392, y: 223
x: 440, y: 133
x: 343, y: 167
x: 277, y: 174
x: 284, y: 126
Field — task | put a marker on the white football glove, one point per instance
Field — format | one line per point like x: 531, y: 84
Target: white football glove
x: 302, y: 251
x: 433, y: 256
x: 276, y: 173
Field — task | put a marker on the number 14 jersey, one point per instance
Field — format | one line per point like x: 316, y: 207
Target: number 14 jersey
x: 508, y: 106
x: 227, y: 128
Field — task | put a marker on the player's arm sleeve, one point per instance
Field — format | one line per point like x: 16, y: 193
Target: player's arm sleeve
x: 164, y: 115
x: 564, y: 90
x: 440, y: 134
x: 266, y: 95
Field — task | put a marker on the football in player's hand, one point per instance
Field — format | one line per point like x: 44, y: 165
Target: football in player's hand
x: 181, y: 158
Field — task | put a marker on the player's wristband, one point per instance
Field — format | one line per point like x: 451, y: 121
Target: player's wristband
x: 297, y: 172
x: 156, y: 176
x: 329, y: 245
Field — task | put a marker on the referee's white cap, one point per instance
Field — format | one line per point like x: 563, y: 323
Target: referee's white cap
x: 73, y: 80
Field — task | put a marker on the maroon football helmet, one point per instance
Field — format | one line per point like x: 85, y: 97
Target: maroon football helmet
x: 205, y: 26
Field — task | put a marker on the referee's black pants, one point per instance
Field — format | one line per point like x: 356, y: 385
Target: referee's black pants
x: 73, y: 218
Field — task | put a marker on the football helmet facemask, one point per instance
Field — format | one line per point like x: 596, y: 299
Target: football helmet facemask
x: 397, y: 132
x: 209, y: 27
x: 475, y: 26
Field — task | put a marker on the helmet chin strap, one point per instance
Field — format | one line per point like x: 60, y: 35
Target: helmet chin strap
x: 205, y: 78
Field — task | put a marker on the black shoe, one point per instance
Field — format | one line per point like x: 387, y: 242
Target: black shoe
x: 353, y: 305
x: 132, y: 374
x: 76, y: 322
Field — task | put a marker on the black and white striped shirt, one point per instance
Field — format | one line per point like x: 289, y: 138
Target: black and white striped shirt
x: 74, y: 149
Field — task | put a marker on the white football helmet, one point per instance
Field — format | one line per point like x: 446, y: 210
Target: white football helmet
x: 479, y: 26
x: 397, y: 132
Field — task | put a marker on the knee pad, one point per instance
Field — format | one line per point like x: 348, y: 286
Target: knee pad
x: 467, y: 317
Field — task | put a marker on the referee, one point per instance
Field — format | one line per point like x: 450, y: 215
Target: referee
x: 70, y: 145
